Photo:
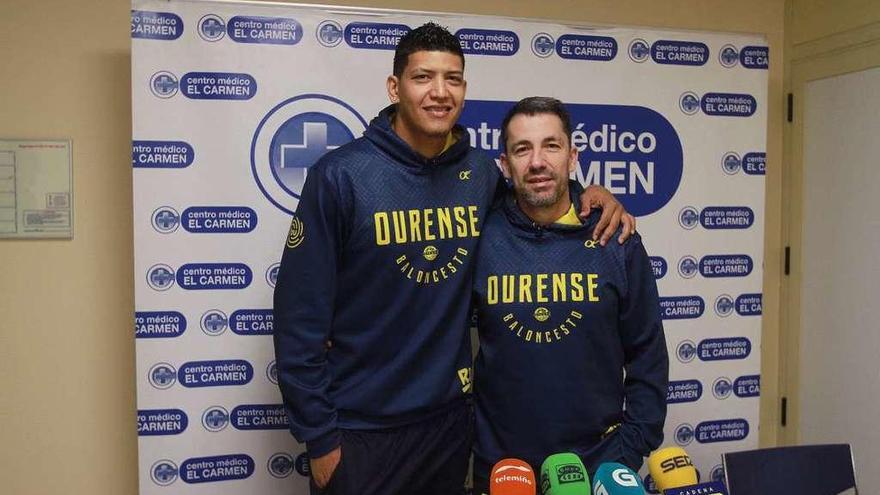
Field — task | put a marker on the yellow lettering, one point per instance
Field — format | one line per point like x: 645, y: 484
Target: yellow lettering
x: 415, y: 234
x: 444, y: 223
x: 529, y: 335
x: 541, y: 280
x: 472, y: 211
x: 460, y: 222
x: 525, y: 285
x: 508, y: 317
x: 383, y: 232
x: 429, y: 222
x: 560, y: 292
x: 492, y: 289
x: 507, y: 291
x: 592, y: 286
x: 399, y: 226
x: 577, y: 290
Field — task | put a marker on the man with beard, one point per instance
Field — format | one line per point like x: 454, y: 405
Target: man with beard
x: 561, y: 317
x: 379, y: 263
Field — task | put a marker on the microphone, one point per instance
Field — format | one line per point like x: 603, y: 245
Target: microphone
x: 613, y: 478
x: 672, y: 468
x: 512, y: 477
x: 564, y: 474
x: 675, y: 474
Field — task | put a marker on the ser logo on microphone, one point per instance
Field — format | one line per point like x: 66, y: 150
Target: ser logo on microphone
x: 676, y: 462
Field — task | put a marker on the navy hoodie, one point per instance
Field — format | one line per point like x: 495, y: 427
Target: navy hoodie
x: 560, y: 319
x: 379, y: 261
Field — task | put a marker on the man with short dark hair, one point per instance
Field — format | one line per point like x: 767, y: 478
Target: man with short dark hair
x: 379, y: 263
x: 561, y: 317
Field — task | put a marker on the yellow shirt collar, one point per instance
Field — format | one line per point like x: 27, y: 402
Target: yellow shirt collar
x: 570, y: 217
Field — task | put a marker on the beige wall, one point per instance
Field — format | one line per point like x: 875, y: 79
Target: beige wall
x: 67, y: 406
x: 823, y: 39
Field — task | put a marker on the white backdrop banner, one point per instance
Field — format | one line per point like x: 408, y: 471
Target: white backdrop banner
x: 233, y: 102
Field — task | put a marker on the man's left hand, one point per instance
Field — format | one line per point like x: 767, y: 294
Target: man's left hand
x: 613, y: 214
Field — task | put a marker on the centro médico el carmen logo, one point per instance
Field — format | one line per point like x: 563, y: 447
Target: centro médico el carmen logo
x: 165, y: 219
x: 280, y: 465
x: 684, y: 434
x: 543, y: 45
x: 292, y: 137
x: 329, y: 33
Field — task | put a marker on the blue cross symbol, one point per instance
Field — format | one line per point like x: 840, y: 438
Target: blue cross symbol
x: 166, y: 219
x: 329, y: 33
x: 731, y: 162
x: 215, y: 418
x: 273, y: 274
x: 729, y: 55
x: 281, y: 464
x: 687, y: 350
x: 212, y: 27
x: 543, y: 44
x: 214, y: 322
x: 313, y: 147
x: 165, y: 472
x: 689, y: 103
x: 163, y: 375
x: 639, y: 50
x: 689, y: 217
x: 684, y: 434
x: 161, y: 276
x: 165, y: 84
x: 724, y: 305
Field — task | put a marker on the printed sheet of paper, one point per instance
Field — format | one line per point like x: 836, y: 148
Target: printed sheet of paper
x: 36, y: 200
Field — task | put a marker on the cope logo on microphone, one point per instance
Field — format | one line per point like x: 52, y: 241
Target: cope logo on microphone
x: 292, y: 137
x: 684, y: 434
x: 280, y: 465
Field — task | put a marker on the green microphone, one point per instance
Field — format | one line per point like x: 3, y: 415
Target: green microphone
x: 564, y: 474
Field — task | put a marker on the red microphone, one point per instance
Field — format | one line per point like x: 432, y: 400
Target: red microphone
x: 512, y: 477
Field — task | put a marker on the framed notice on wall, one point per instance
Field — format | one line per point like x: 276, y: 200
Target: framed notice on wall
x: 36, y: 198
